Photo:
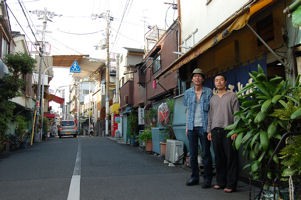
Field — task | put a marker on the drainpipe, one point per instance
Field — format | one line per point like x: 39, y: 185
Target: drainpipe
x: 292, y: 7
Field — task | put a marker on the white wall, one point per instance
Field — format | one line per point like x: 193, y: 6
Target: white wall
x: 199, y: 19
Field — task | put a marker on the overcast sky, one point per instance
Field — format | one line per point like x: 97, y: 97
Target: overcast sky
x: 74, y: 31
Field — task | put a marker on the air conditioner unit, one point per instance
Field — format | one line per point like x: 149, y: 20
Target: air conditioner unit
x: 174, y: 151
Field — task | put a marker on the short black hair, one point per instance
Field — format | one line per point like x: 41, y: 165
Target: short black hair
x: 223, y: 75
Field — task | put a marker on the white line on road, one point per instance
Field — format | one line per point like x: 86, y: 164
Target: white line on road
x: 74, y: 189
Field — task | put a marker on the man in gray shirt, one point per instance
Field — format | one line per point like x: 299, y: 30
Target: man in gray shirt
x: 223, y: 106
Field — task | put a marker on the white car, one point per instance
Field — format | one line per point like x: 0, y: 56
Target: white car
x: 67, y: 127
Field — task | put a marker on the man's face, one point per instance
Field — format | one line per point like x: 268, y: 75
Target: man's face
x: 197, y: 79
x: 220, y: 82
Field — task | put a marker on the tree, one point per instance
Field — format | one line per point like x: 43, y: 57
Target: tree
x: 19, y: 64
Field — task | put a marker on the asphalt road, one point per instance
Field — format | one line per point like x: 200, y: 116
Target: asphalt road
x: 97, y: 168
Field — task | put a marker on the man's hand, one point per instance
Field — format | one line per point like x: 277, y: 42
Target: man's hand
x: 233, y: 136
x: 209, y: 136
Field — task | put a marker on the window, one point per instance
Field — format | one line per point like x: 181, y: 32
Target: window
x: 4, y: 47
x: 85, y: 92
x: 156, y: 64
x: 121, y: 82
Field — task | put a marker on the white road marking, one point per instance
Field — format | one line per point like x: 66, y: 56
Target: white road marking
x: 74, y: 189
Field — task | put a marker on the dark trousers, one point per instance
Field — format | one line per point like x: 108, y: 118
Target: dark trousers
x: 194, y: 136
x: 226, y: 159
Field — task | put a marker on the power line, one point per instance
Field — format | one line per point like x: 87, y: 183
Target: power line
x: 22, y: 28
x: 123, y: 14
x: 81, y: 33
x: 65, y: 45
x: 36, y: 40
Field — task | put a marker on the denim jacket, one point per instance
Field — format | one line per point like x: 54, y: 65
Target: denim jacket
x: 190, y: 102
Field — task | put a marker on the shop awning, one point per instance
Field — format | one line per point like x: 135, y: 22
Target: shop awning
x: 236, y: 22
x: 115, y: 108
x: 52, y: 97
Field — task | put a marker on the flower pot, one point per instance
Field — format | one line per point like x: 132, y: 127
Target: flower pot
x: 163, y: 149
x: 133, y: 141
x: 148, y: 145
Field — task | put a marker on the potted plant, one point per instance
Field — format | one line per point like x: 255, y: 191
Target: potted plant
x: 133, y: 128
x: 146, y: 137
x: 263, y: 122
x: 21, y: 131
x: 4, y: 143
x: 165, y: 115
x: 151, y: 117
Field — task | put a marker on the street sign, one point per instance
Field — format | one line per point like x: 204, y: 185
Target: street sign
x: 75, y: 68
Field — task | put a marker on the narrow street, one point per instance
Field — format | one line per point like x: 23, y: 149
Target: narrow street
x: 97, y: 168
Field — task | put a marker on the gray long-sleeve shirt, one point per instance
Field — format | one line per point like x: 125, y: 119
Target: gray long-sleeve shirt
x: 222, y: 109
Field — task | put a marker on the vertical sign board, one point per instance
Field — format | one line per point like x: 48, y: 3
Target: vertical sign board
x: 141, y: 116
x: 75, y: 68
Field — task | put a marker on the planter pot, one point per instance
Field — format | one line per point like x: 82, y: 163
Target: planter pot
x: 158, y: 135
x: 163, y: 149
x: 272, y: 193
x: 133, y: 141
x: 148, y: 146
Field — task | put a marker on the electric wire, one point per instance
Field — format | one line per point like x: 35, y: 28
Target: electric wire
x: 22, y: 27
x: 129, y: 2
x: 71, y: 33
x: 28, y: 14
x: 28, y: 21
x: 66, y: 46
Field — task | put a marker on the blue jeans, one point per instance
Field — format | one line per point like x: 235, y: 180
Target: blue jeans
x: 194, y: 136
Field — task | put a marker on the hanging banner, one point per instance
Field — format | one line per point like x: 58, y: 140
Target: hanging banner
x: 140, y: 116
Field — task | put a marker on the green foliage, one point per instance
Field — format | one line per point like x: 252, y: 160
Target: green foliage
x: 145, y: 135
x: 171, y: 106
x: 21, y: 128
x: 169, y: 130
x: 291, y: 157
x: 150, y: 117
x: 133, y: 124
x: 19, y: 65
x: 266, y: 106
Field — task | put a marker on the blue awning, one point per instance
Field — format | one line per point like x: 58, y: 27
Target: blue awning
x: 127, y: 110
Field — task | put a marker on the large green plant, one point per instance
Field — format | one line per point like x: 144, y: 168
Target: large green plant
x: 21, y: 128
x: 150, y: 117
x: 166, y: 117
x: 145, y: 135
x: 266, y: 107
x: 133, y: 124
x: 19, y: 65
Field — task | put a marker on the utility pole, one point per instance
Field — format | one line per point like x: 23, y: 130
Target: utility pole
x: 117, y: 79
x: 108, y: 62
x: 45, y: 16
x: 107, y: 72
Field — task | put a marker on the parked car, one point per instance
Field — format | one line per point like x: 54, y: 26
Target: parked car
x: 67, y: 127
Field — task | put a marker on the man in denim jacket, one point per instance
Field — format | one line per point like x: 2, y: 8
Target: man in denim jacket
x: 196, y: 100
